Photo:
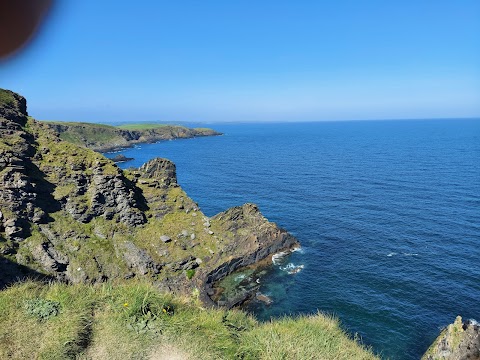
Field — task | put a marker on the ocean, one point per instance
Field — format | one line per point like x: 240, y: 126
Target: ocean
x: 387, y: 212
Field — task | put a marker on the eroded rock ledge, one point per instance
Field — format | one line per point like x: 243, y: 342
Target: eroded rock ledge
x: 261, y: 241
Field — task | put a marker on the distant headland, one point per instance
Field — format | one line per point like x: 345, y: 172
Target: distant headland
x: 105, y: 138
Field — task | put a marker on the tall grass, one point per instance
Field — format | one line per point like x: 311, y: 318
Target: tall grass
x: 135, y: 321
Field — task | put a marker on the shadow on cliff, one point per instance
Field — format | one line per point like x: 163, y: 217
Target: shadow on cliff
x: 11, y: 272
x: 141, y: 202
x: 45, y: 189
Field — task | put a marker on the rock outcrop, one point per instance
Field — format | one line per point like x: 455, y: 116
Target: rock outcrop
x: 161, y: 169
x: 255, y: 239
x: 21, y: 198
x: 458, y: 341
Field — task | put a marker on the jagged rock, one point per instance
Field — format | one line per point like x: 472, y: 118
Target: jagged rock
x: 162, y: 170
x: 255, y: 239
x: 139, y: 260
x: 186, y: 264
x: 111, y: 196
x: 458, y: 341
x: 18, y: 173
x: 49, y: 258
x: 11, y: 228
x: 165, y: 239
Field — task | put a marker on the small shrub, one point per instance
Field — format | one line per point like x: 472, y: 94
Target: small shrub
x: 190, y: 273
x: 42, y: 309
x: 143, y: 324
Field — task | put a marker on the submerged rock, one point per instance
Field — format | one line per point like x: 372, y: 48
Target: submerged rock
x: 263, y: 298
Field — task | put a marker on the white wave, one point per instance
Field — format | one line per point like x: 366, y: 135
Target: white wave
x: 392, y: 254
x: 410, y: 254
x: 291, y: 268
x: 277, y: 258
x: 298, y: 249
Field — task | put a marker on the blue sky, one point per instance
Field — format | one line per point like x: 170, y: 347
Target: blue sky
x: 252, y: 61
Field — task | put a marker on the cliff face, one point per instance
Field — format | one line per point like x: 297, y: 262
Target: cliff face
x: 18, y: 174
x: 69, y: 213
x: 459, y: 341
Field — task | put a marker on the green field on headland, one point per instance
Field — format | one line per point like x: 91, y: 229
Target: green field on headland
x: 104, y: 138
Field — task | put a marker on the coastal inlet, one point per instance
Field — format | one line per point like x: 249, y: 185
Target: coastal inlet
x: 245, y: 287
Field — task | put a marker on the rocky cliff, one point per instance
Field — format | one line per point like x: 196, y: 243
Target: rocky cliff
x: 458, y: 341
x: 69, y: 213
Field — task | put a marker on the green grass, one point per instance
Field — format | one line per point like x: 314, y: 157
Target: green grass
x: 80, y: 124
x: 89, y: 133
x: 136, y: 321
x: 6, y: 97
x: 145, y: 126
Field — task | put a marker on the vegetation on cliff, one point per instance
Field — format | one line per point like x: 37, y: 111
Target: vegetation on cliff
x: 106, y: 137
x: 136, y: 321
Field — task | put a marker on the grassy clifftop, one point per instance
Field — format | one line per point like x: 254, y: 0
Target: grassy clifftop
x: 136, y: 321
x: 103, y: 138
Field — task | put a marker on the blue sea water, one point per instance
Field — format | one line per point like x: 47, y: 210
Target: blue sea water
x: 387, y: 212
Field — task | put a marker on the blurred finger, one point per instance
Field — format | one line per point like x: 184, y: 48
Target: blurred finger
x: 19, y: 20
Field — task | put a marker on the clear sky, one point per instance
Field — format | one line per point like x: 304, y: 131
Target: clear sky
x: 252, y: 60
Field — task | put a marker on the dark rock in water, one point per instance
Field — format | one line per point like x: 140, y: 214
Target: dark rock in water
x: 263, y: 298
x: 458, y: 341
x: 121, y: 158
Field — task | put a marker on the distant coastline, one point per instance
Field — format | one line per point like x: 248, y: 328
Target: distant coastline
x: 107, y: 138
